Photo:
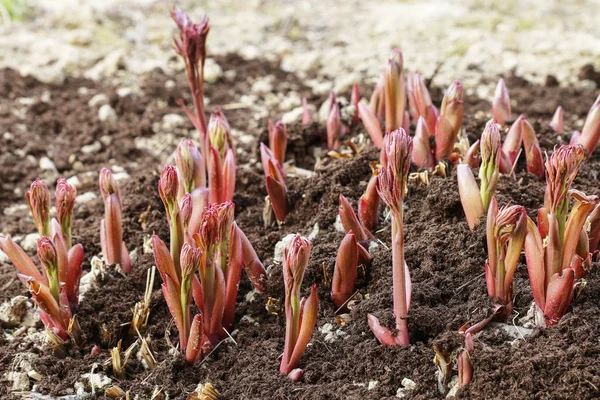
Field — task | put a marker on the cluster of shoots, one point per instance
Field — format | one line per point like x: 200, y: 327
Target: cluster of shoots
x: 557, y: 249
x: 205, y: 265
x: 389, y: 102
x: 56, y: 289
x: 300, y: 313
x: 114, y: 250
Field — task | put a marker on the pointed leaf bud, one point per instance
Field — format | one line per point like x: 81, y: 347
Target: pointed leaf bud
x: 306, y: 117
x: 561, y: 169
x: 501, y: 109
x: 185, y: 210
x: 108, y: 184
x: 168, y: 187
x: 49, y: 259
x: 354, y: 99
x: 371, y: 124
x: 219, y: 132
x: 344, y: 273
x: 295, y: 260
x: 590, y: 134
x: 334, y: 125
x: 557, y: 121
x: 190, y: 261
x: 278, y: 138
x: 190, y: 166
x: 38, y: 198
x: 395, y: 96
x: 65, y: 202
x: 421, y: 154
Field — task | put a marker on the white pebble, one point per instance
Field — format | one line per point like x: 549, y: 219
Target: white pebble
x: 107, y: 113
x: 85, y: 197
x: 91, y: 148
x: 99, y: 99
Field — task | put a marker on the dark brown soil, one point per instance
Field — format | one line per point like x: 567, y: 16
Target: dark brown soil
x: 445, y: 259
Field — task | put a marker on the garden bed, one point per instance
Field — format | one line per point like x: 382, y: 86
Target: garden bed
x: 343, y: 361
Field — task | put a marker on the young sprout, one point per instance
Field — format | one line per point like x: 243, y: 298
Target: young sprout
x: 419, y: 101
x: 65, y: 202
x: 521, y: 132
x: 392, y: 182
x: 334, y: 124
x: 111, y: 229
x: 421, y: 155
x: 275, y: 181
x: 449, y: 121
x: 557, y: 121
x: 476, y: 200
x: 38, y: 198
x: 394, y: 91
x: 354, y: 99
x: 300, y: 314
x: 344, y: 273
x: 590, y: 134
x: 306, y: 117
x: 368, y: 206
x: 554, y: 255
x: 221, y: 159
x: 465, y: 368
x: 278, y: 139
x: 371, y: 123
x: 377, y: 101
x: 501, y: 110
x: 191, y: 46
x: 351, y: 223
x: 505, y: 234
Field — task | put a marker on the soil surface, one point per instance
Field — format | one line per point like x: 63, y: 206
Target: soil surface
x: 446, y: 260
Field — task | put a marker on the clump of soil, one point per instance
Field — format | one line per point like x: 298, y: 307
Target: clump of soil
x: 446, y: 260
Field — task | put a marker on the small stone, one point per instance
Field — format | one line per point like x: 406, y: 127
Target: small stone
x: 338, y: 224
x: 34, y: 375
x: 170, y: 84
x: 106, y: 140
x: 121, y: 176
x: 292, y: 116
x: 124, y: 91
x: 85, y: 197
x: 99, y: 99
x: 107, y: 113
x: 313, y: 234
x: 74, y: 181
x: 372, y: 385
x: 29, y: 243
x: 172, y: 121
x: 107, y: 66
x: 20, y: 381
x: 409, y: 384
x: 18, y: 312
x: 8, y: 136
x: 263, y: 86
x: 91, y: 148
x: 46, y: 164
x: 98, y: 381
x: 82, y: 91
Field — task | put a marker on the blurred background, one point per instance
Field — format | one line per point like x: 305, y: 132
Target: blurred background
x: 329, y: 44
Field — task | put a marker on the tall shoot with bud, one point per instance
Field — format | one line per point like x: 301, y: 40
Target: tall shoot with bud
x: 191, y: 46
x: 300, y: 314
x: 168, y: 188
x: 392, y: 183
x: 111, y: 227
x: 554, y: 267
